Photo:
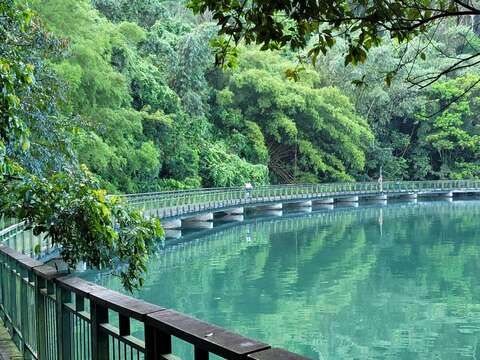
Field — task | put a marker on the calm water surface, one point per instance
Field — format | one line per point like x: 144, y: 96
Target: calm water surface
x: 395, y: 282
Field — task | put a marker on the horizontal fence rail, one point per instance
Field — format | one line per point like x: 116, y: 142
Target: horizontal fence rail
x: 55, y: 316
x: 169, y: 204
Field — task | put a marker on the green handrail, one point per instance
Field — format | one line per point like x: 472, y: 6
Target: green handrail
x: 174, y: 203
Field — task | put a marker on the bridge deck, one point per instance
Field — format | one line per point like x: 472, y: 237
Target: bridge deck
x: 8, y: 350
x: 161, y: 209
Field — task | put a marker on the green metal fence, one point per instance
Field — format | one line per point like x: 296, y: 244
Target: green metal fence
x: 55, y: 316
x: 19, y: 237
x: 176, y: 203
x: 51, y: 315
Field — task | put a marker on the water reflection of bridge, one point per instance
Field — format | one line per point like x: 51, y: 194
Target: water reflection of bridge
x: 226, y: 235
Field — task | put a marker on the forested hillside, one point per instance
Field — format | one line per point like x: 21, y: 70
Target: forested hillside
x: 145, y: 108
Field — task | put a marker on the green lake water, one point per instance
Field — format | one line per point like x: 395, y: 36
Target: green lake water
x: 377, y: 282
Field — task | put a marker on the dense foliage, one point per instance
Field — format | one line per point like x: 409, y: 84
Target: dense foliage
x: 154, y: 112
x: 316, y: 26
x: 157, y: 114
x: 57, y: 199
x: 125, y: 96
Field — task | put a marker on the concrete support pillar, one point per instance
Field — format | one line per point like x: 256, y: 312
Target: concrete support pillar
x: 200, y: 225
x: 350, y: 199
x: 378, y: 202
x: 202, y: 221
x: 324, y: 206
x: 235, y: 211
x: 353, y: 204
x: 232, y: 217
x: 325, y: 201
x: 379, y: 197
x: 172, y: 224
x: 300, y: 204
x: 272, y: 212
x: 275, y: 206
x: 202, y: 217
x: 448, y: 194
x: 173, y: 234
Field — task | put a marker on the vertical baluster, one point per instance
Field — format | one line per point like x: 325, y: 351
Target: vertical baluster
x: 80, y: 307
x: 124, y: 330
x: 13, y: 294
x: 99, y: 340
x: 63, y: 326
x: 157, y: 343
x: 40, y: 284
x: 23, y: 276
x: 2, y: 285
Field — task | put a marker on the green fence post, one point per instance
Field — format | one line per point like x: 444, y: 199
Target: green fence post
x: 157, y: 343
x: 41, y: 317
x: 2, y: 290
x: 200, y: 354
x: 23, y: 275
x: 99, y: 315
x: 13, y: 297
x: 64, y: 328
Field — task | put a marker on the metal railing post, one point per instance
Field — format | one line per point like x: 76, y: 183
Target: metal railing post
x: 157, y: 343
x: 40, y: 284
x: 25, y: 322
x: 64, y: 328
x: 99, y: 345
x: 13, y: 297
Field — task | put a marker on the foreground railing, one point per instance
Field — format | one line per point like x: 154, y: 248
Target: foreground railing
x: 175, y: 203
x: 51, y: 315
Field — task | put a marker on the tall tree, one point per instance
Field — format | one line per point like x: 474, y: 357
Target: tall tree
x: 67, y: 206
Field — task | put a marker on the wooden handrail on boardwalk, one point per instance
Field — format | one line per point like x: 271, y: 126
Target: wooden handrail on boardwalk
x: 52, y: 315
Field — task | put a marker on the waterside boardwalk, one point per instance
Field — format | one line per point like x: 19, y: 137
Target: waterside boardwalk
x: 193, y: 208
x: 8, y: 350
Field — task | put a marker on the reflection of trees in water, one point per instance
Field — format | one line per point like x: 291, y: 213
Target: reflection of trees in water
x: 426, y: 286
x: 332, y: 285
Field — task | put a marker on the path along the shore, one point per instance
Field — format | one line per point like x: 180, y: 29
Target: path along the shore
x: 8, y: 350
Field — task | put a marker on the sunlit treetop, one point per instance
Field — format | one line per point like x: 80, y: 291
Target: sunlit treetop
x: 315, y: 24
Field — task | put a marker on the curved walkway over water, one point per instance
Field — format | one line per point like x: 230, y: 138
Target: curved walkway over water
x: 191, y: 204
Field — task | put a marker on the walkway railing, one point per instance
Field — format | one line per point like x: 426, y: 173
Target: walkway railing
x: 177, y: 203
x: 55, y: 316
x: 17, y: 236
